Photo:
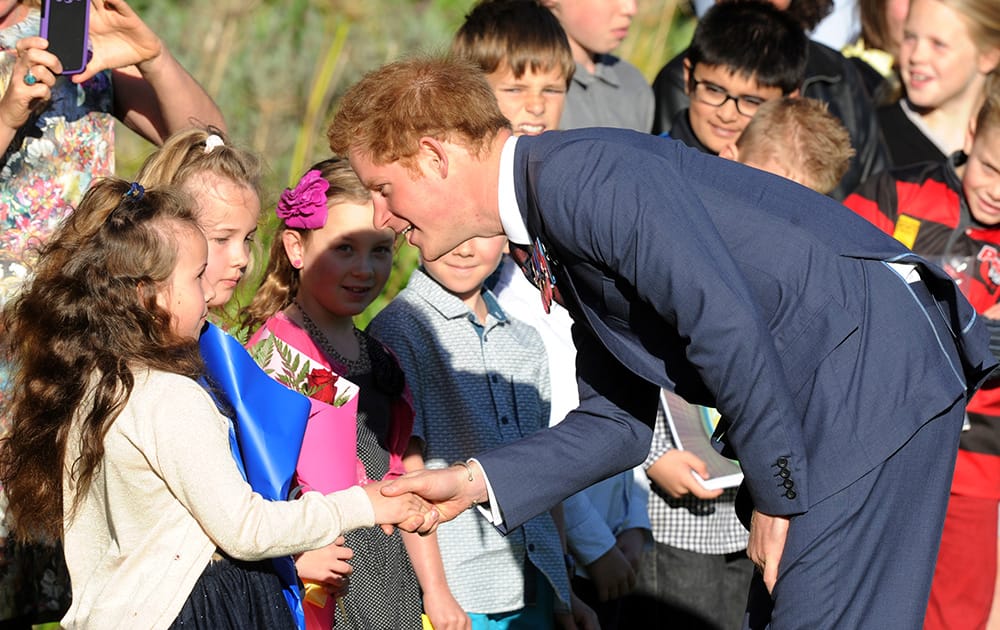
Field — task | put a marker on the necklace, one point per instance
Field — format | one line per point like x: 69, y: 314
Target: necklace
x: 354, y: 366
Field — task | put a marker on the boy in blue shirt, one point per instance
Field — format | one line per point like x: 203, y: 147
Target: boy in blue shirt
x: 479, y: 380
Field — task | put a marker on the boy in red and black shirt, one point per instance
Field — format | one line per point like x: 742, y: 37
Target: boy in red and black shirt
x: 949, y: 213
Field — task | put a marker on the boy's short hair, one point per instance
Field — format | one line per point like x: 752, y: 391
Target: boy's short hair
x: 384, y: 115
x: 988, y: 116
x: 802, y: 135
x: 519, y: 34
x: 752, y: 39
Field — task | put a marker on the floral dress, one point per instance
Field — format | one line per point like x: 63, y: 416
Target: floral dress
x: 43, y: 175
x: 51, y: 161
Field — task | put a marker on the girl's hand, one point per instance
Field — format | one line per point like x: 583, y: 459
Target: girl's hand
x: 327, y: 565
x: 405, y: 510
x: 118, y: 38
x: 21, y: 99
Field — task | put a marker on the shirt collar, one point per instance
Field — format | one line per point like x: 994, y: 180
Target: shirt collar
x: 511, y: 217
x: 604, y: 70
x: 447, y: 303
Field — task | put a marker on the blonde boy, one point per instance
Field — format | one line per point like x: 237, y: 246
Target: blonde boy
x: 798, y: 139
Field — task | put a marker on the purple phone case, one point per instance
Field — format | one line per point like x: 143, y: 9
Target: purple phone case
x: 67, y: 42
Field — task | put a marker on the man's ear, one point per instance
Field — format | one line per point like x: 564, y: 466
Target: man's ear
x: 730, y: 152
x: 433, y: 156
x: 292, y: 241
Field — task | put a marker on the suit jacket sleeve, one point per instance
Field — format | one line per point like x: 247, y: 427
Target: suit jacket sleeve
x: 609, y: 432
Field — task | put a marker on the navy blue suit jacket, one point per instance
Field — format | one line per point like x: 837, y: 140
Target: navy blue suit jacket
x: 738, y: 290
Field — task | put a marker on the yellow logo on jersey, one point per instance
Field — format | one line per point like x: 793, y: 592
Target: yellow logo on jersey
x: 906, y: 230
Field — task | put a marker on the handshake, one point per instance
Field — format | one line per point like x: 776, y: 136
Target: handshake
x: 421, y: 500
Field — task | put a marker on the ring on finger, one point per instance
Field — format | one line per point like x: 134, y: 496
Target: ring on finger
x: 29, y: 78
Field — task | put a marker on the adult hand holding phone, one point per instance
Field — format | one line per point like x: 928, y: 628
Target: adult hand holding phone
x: 119, y: 38
x: 31, y: 80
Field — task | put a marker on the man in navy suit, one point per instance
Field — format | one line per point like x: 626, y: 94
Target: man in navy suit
x: 839, y: 361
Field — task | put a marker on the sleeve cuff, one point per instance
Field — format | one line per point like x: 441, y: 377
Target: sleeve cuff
x: 490, y: 510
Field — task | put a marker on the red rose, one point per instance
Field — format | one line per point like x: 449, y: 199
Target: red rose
x: 322, y: 383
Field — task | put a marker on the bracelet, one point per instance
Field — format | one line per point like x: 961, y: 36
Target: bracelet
x: 468, y: 470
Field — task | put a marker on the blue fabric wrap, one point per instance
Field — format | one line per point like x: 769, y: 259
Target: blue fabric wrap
x: 270, y: 422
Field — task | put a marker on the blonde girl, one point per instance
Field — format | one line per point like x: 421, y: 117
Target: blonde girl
x: 949, y: 48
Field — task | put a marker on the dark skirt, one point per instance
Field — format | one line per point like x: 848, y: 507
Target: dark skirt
x: 235, y: 595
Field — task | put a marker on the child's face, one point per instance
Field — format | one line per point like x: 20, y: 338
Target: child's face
x: 227, y: 213
x: 346, y: 262
x: 463, y: 270
x: 938, y: 60
x: 981, y: 179
x: 718, y: 125
x: 532, y: 103
x: 594, y: 26
x: 187, y: 292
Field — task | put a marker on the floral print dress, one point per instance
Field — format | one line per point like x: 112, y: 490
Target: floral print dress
x: 51, y: 161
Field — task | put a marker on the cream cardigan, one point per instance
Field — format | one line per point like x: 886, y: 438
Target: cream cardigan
x: 167, y: 494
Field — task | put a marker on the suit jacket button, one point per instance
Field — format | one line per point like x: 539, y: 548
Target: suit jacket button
x: 782, y: 462
x: 790, y: 494
x: 784, y: 473
x: 789, y: 484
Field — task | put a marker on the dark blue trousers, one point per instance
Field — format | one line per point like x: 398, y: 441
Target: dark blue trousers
x: 864, y: 557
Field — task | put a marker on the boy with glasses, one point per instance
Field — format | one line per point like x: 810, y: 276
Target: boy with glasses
x: 741, y: 55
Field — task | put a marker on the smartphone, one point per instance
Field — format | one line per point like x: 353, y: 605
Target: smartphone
x: 64, y: 24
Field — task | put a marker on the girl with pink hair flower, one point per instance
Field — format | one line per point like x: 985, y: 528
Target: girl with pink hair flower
x: 327, y: 264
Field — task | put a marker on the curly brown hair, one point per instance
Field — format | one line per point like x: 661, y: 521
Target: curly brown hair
x: 281, y: 279
x: 85, y: 322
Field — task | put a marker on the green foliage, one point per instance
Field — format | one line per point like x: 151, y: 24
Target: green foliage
x: 277, y: 67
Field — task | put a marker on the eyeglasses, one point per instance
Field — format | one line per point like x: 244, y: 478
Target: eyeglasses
x: 716, y: 96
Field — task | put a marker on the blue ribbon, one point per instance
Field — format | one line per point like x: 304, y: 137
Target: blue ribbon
x: 270, y: 422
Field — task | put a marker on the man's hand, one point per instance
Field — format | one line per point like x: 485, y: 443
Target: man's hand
x: 672, y: 472
x: 447, y: 493
x: 405, y: 510
x: 767, y: 544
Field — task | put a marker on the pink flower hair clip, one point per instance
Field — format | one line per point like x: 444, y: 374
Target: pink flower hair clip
x: 304, y: 207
